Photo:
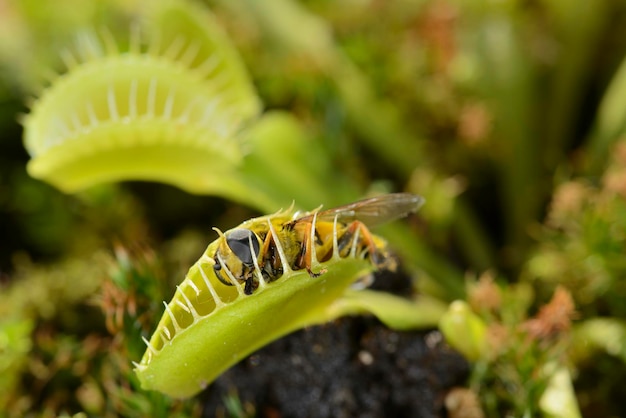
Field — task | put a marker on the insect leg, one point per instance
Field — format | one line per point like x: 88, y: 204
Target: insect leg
x: 250, y: 286
x: 344, y: 242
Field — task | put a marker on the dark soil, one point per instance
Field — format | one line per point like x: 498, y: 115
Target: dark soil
x: 353, y: 367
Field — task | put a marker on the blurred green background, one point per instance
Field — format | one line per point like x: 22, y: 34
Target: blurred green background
x: 508, y: 116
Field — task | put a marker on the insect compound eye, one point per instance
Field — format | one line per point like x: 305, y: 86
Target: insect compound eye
x: 239, y: 242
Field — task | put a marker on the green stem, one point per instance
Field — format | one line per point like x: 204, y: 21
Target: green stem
x: 395, y: 312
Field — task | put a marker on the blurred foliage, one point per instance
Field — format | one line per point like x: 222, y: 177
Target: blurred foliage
x: 507, y: 116
x: 517, y: 356
x: 582, y: 241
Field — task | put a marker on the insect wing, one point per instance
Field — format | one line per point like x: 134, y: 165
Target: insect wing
x: 371, y: 212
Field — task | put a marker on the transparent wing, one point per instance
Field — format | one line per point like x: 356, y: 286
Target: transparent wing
x: 371, y: 212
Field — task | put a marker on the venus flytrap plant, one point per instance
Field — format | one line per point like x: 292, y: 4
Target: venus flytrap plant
x: 167, y: 108
x: 281, y: 284
x: 174, y: 106
x: 196, y: 341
